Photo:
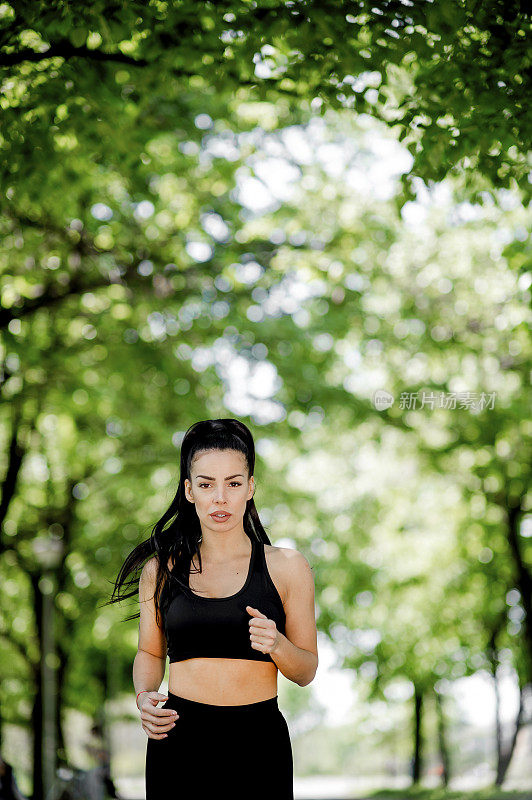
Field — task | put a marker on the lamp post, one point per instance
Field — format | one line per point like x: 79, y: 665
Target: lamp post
x: 48, y: 551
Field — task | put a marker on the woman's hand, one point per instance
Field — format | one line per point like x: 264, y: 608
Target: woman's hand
x: 263, y: 632
x: 155, y: 721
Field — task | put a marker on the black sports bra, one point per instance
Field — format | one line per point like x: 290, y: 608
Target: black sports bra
x: 218, y: 627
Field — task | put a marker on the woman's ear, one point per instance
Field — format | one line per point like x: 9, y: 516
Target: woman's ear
x: 188, y: 492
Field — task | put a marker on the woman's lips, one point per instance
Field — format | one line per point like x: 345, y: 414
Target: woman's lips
x: 226, y: 515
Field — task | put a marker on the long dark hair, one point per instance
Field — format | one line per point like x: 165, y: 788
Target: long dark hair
x: 182, y: 537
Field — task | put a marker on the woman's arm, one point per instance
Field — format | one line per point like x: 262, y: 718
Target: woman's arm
x: 296, y: 653
x: 148, y: 672
x: 150, y: 661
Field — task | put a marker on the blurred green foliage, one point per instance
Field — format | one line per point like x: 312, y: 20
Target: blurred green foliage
x: 141, y: 289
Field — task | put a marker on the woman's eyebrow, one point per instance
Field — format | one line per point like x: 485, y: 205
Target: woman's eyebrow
x: 207, y: 477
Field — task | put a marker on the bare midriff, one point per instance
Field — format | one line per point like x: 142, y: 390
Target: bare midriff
x: 227, y: 681
x: 223, y: 681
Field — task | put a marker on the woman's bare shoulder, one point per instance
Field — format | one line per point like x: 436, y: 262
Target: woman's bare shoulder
x: 282, y: 562
x: 286, y: 556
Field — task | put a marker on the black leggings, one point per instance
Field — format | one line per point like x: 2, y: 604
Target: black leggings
x: 240, y: 752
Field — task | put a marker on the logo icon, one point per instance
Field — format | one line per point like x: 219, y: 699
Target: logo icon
x: 382, y: 399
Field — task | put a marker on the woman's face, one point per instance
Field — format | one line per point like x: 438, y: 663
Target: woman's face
x: 219, y: 483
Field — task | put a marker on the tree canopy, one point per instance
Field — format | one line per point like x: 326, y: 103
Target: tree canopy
x: 268, y: 210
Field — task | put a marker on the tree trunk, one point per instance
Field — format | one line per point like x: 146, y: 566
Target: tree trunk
x: 418, y: 709
x: 442, y: 739
x: 523, y: 579
x: 504, y: 755
x: 498, y: 727
x: 62, y: 755
x: 37, y: 711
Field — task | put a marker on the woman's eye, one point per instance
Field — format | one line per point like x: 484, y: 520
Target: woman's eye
x: 233, y: 483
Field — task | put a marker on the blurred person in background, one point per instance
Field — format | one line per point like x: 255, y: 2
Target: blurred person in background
x: 99, y: 782
x: 8, y: 785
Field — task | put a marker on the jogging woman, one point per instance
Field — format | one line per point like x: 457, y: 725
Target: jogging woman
x: 229, y: 610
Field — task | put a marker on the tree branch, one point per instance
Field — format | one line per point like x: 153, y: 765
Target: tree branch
x: 15, y: 457
x: 18, y: 646
x: 65, y: 49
